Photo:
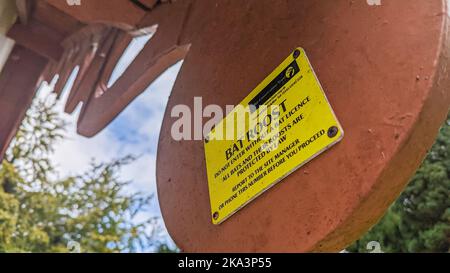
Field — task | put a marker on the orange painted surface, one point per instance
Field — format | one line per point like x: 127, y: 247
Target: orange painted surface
x: 383, y: 68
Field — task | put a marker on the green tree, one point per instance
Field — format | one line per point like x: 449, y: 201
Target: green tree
x: 39, y: 212
x: 419, y: 221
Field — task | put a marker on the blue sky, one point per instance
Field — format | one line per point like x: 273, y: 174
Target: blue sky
x: 135, y: 131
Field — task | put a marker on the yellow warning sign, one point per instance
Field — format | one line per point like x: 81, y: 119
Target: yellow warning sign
x: 281, y: 125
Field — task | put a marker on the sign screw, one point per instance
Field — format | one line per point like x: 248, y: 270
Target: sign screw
x: 216, y: 215
x: 296, y: 53
x: 333, y: 131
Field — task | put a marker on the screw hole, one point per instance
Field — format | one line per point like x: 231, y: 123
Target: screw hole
x: 296, y: 53
x: 333, y: 131
x: 216, y: 215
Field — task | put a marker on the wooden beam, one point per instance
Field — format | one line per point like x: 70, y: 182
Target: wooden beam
x: 39, y: 38
x: 24, y: 10
x: 55, y: 18
x: 17, y: 88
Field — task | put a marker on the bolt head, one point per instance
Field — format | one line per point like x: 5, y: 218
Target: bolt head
x: 332, y: 131
x: 216, y: 215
